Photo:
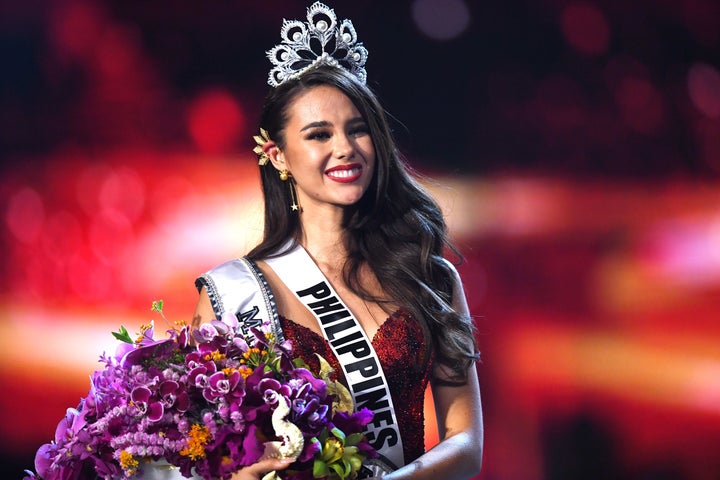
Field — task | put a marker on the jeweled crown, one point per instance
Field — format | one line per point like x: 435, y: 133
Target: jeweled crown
x: 320, y: 41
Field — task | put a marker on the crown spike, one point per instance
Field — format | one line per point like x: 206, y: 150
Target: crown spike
x: 338, y: 46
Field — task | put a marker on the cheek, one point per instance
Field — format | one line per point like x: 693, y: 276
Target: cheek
x: 371, y: 155
x: 372, y: 166
x: 368, y: 150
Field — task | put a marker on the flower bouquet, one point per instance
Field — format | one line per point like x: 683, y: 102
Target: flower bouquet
x: 208, y: 407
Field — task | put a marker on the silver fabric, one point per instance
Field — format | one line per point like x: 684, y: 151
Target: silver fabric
x: 238, y: 287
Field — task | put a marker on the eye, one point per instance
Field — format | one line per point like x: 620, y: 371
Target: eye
x: 318, y: 135
x: 359, y: 131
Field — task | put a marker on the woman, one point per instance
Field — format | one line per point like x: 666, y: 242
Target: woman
x: 338, y: 197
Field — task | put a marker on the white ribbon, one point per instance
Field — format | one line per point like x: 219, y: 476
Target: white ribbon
x: 352, y: 348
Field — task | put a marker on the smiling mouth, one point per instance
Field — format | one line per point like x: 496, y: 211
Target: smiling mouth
x: 345, y: 173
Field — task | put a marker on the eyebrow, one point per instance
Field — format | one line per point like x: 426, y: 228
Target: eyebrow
x: 325, y: 123
x: 310, y: 125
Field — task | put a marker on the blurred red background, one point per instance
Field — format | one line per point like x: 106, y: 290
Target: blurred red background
x: 574, y: 146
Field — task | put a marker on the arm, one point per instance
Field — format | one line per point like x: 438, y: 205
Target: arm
x: 458, y: 456
x: 203, y: 310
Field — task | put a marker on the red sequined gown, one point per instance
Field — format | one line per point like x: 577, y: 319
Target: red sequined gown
x: 401, y: 349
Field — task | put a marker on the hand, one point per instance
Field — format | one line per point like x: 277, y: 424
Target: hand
x: 262, y: 467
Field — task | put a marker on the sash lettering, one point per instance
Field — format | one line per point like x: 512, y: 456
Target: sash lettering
x: 353, y: 350
x: 355, y: 353
x: 248, y: 320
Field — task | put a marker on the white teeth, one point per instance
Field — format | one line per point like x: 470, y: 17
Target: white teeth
x: 344, y: 173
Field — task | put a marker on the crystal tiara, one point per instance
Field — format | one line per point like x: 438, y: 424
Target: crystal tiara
x: 320, y: 41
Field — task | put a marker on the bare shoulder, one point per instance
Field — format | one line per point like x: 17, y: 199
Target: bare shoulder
x: 203, y: 310
x: 459, y: 300
x: 453, y: 270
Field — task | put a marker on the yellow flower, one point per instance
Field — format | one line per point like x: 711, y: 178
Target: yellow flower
x: 215, y: 356
x: 198, y: 437
x: 128, y: 462
x: 143, y: 329
x: 332, y: 451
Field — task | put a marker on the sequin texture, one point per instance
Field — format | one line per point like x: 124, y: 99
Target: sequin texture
x: 400, y: 346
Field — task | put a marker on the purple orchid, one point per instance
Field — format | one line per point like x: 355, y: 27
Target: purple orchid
x: 148, y: 350
x: 183, y: 337
x: 205, y: 407
x: 206, y: 333
x: 220, y: 386
x: 141, y: 398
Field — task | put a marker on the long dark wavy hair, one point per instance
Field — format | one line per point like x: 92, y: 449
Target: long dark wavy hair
x: 397, y: 228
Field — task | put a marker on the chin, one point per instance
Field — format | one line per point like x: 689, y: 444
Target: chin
x: 354, y: 199
x: 348, y: 203
x: 351, y: 199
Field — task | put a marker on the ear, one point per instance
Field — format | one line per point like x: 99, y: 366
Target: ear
x: 276, y: 156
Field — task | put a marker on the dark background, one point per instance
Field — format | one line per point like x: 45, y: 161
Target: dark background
x: 576, y: 147
x: 510, y: 92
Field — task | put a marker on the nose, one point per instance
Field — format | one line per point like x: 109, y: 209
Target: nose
x: 344, y: 147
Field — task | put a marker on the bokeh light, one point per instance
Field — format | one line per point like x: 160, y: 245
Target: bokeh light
x: 703, y: 83
x: 215, y: 121
x: 574, y: 147
x: 585, y: 28
x: 640, y: 104
x: 441, y: 19
x: 25, y: 215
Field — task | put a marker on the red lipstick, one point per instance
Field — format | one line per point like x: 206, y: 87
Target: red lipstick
x: 345, y: 173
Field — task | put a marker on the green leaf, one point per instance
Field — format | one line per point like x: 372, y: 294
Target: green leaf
x: 338, y: 434
x: 353, y: 439
x: 350, y: 451
x: 300, y: 363
x: 356, y: 462
x: 320, y: 469
x: 325, y: 368
x: 347, y: 468
x: 338, y: 468
x: 123, y: 335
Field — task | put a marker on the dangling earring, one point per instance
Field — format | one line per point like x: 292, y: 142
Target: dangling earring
x: 285, y: 176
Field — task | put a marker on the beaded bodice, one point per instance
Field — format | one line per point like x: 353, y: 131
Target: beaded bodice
x: 401, y: 349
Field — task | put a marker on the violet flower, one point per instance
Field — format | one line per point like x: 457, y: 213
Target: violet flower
x: 205, y: 407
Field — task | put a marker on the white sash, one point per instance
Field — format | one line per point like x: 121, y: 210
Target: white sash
x: 353, y: 350
x: 238, y: 287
